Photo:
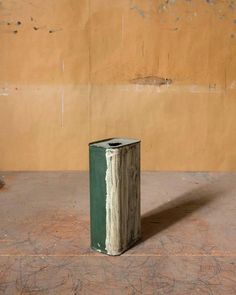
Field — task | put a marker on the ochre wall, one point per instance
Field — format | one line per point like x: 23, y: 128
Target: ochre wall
x: 76, y: 71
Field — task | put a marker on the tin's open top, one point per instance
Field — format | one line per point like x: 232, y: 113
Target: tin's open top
x: 114, y: 142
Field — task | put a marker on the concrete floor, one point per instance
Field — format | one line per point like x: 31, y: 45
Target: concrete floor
x: 188, y: 245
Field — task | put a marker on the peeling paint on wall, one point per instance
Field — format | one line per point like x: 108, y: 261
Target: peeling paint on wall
x: 165, y: 7
x: 139, y: 10
x: 151, y: 80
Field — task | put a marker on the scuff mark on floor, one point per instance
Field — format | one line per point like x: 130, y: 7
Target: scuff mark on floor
x: 151, y: 80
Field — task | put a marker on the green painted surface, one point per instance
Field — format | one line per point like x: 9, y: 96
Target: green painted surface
x: 115, y: 142
x: 97, y: 163
x: 100, y: 199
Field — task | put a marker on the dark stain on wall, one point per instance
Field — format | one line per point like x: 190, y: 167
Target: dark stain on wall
x: 231, y: 5
x: 139, y: 10
x: 210, y: 1
x: 54, y: 30
x: 151, y: 80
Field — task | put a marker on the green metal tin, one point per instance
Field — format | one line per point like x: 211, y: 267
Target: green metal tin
x: 114, y: 194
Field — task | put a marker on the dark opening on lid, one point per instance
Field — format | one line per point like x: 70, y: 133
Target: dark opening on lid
x: 114, y: 143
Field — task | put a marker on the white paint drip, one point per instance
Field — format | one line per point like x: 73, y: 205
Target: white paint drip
x: 122, y: 28
x: 62, y: 107
x: 63, y: 66
x: 62, y: 95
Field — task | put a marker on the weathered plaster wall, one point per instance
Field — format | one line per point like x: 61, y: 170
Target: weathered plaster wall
x: 75, y: 71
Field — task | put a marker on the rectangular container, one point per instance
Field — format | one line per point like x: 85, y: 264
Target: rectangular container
x: 114, y: 194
